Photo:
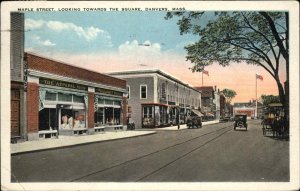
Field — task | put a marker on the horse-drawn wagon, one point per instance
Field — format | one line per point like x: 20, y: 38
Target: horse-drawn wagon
x: 273, y: 120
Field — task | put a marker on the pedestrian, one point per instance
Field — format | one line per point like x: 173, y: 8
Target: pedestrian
x: 177, y: 120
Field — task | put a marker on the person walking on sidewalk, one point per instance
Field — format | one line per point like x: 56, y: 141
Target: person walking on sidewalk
x: 178, y: 120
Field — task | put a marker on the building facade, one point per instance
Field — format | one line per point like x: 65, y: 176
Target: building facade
x: 223, y: 111
x: 210, y: 98
x: 155, y: 98
x: 18, y: 87
x: 66, y: 100
x: 248, y: 108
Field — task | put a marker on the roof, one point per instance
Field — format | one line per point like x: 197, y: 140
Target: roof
x: 206, y: 91
x: 43, y: 64
x: 151, y: 71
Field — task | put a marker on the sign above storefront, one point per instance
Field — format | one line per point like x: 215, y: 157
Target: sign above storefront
x: 58, y: 83
x: 108, y: 92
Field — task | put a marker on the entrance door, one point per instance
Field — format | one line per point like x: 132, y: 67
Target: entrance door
x: 15, y: 113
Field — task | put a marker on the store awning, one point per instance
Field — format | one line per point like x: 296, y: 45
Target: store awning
x: 197, y: 112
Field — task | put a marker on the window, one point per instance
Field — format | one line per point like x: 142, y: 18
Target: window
x: 143, y: 91
x: 128, y: 91
x: 50, y: 96
x: 78, y: 99
x: 64, y: 97
x: 163, y: 91
x: 47, y: 119
x: 109, y: 113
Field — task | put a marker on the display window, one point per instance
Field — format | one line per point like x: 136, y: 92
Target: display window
x: 148, y: 116
x: 48, y: 119
x: 61, y: 110
x: 154, y: 115
x: 72, y: 118
x: 108, y: 112
x: 163, y: 115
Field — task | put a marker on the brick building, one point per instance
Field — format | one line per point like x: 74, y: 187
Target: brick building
x: 210, y: 99
x: 66, y: 100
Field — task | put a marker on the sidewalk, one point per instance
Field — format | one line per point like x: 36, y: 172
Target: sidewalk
x: 65, y: 141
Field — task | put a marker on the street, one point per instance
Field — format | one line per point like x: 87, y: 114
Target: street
x: 212, y: 153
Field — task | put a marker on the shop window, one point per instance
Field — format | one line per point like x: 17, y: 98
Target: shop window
x: 71, y: 118
x: 117, y: 103
x: 109, y: 102
x: 99, y: 117
x: 47, y: 119
x: 64, y: 97
x: 143, y: 91
x: 50, y: 96
x: 157, y: 115
x: 148, y: 116
x: 78, y: 99
x: 100, y: 101
x: 117, y: 116
x: 108, y: 113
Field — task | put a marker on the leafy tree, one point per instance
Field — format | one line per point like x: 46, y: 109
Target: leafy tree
x: 267, y: 99
x: 229, y: 95
x: 258, y: 38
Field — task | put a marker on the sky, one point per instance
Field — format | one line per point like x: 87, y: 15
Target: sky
x: 117, y: 41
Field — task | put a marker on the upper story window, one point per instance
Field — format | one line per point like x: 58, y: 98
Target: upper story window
x: 143, y: 91
x: 128, y: 91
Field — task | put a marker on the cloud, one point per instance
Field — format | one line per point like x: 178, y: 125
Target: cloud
x: 47, y: 43
x: 88, y: 33
x: 40, y: 42
x: 137, y: 49
x: 33, y: 24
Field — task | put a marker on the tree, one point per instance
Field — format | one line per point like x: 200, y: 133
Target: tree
x: 267, y: 99
x: 259, y: 38
x: 229, y: 95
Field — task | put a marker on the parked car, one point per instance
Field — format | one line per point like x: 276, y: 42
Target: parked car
x: 194, y: 122
x: 240, y: 121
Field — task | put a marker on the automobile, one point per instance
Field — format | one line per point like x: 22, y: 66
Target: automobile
x: 194, y: 122
x: 224, y: 119
x: 240, y: 121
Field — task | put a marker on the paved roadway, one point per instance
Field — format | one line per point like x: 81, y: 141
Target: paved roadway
x: 213, y: 153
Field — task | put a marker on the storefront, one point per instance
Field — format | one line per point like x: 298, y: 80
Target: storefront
x: 63, y: 100
x: 155, y: 115
x: 61, y: 111
x: 108, y: 111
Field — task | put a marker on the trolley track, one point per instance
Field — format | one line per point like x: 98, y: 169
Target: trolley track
x: 223, y: 131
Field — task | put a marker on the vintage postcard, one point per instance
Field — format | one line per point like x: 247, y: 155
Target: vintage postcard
x: 155, y: 95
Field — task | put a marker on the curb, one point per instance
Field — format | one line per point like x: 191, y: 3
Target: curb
x: 78, y: 144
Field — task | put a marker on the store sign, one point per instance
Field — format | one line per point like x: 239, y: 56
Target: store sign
x: 51, y: 82
x: 25, y: 75
x: 171, y: 103
x: 108, y: 92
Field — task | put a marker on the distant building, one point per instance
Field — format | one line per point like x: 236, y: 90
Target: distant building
x: 210, y: 100
x: 223, y: 111
x: 155, y: 98
x: 248, y: 108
